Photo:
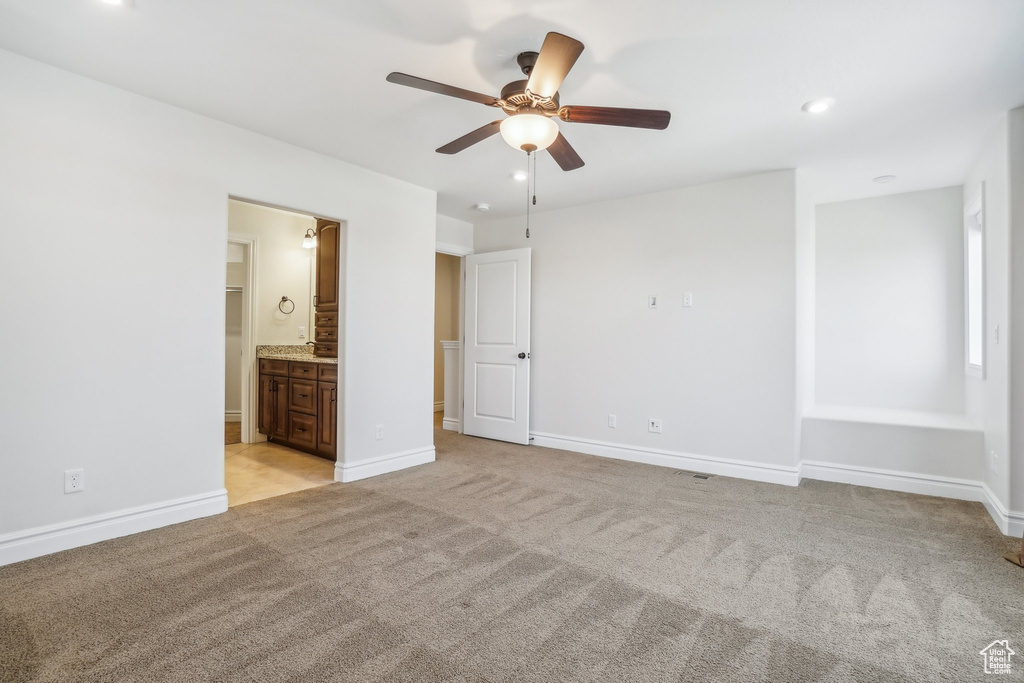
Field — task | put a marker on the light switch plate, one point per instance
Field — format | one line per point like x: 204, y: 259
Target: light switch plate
x: 652, y: 301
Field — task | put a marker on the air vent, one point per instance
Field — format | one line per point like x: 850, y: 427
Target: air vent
x: 702, y: 476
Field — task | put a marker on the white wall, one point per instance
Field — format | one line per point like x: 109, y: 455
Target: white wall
x: 804, y: 257
x: 889, y: 302
x: 987, y: 399
x: 283, y: 268
x: 132, y: 196
x: 446, y: 314
x: 1016, y: 322
x: 453, y: 235
x: 720, y: 374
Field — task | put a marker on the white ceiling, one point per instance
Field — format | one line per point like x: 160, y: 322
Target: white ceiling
x: 918, y: 83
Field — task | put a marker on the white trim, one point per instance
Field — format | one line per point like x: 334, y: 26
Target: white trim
x: 726, y: 467
x: 450, y: 424
x: 1008, y: 522
x: 1011, y: 523
x: 452, y: 249
x: 893, y: 480
x: 976, y: 207
x: 371, y: 467
x: 23, y: 545
x: 232, y: 415
x: 438, y: 406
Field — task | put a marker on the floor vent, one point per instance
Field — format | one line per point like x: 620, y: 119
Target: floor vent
x: 702, y: 476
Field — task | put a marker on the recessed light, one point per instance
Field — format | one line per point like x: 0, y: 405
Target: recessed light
x: 118, y: 3
x: 818, y: 106
x: 884, y: 179
x: 482, y: 207
x: 519, y: 175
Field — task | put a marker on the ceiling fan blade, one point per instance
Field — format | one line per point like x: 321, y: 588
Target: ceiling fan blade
x: 564, y: 155
x: 557, y: 55
x: 612, y: 116
x: 470, y: 139
x: 441, y: 88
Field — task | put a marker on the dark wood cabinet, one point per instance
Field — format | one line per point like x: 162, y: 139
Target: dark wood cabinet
x: 327, y: 430
x: 328, y: 289
x: 298, y: 405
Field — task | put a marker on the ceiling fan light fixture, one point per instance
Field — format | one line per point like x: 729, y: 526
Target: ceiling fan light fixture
x: 529, y: 132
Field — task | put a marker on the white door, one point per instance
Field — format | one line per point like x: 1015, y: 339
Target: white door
x: 497, y: 373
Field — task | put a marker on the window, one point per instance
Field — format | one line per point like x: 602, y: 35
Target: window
x: 974, y: 256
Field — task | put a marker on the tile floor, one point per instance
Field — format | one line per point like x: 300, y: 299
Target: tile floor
x: 263, y: 470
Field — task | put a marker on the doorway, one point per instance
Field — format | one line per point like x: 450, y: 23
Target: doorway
x: 270, y: 323
x: 447, y: 326
x: 236, y: 339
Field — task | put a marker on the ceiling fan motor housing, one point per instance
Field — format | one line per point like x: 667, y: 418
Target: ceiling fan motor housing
x: 514, y: 94
x: 526, y: 60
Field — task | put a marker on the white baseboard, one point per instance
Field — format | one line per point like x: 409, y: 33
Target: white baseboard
x: 1009, y: 522
x: 742, y: 469
x: 24, y: 545
x: 349, y: 472
x: 233, y: 416
x: 892, y: 480
x: 438, y: 406
x: 450, y: 424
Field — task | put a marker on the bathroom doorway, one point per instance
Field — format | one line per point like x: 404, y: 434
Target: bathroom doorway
x: 284, y: 394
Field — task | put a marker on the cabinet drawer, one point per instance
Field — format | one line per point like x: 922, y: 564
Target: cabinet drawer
x: 327, y: 334
x: 302, y: 370
x: 325, y: 349
x: 302, y: 429
x: 328, y: 372
x: 327, y: 320
x: 269, y: 366
x: 302, y: 395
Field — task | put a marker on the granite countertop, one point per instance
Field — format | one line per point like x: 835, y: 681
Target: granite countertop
x: 302, y: 353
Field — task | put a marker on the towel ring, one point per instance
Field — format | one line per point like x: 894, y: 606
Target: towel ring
x: 285, y: 300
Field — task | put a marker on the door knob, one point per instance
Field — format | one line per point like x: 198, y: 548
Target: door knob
x: 522, y: 355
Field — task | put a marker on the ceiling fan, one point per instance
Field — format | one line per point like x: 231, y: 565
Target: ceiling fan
x: 532, y: 105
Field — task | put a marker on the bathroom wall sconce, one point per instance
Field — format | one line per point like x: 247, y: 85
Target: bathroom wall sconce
x: 309, y: 241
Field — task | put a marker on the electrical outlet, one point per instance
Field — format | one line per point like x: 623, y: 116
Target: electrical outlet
x: 688, y: 300
x: 612, y: 421
x: 74, y: 480
x: 993, y: 462
x: 654, y: 426
x: 302, y: 331
x: 380, y: 432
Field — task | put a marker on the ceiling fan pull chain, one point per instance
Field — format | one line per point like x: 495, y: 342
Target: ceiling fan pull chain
x: 534, y: 176
x: 529, y: 179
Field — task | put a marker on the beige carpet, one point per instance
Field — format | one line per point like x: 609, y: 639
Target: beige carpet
x: 503, y: 563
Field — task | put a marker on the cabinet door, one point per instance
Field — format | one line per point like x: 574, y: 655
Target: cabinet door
x: 280, y: 410
x: 265, y: 421
x: 327, y: 420
x: 328, y: 256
